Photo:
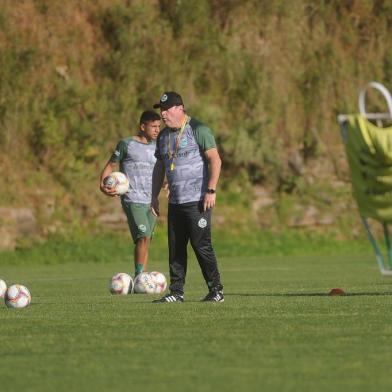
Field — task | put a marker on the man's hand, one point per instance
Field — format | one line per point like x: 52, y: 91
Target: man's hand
x: 109, y: 168
x: 215, y: 164
x: 108, y: 191
x: 155, y: 206
x: 209, y: 201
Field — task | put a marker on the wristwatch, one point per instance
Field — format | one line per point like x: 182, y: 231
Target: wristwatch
x: 210, y: 190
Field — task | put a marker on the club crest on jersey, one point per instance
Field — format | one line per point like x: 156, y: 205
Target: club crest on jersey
x: 202, y: 223
x: 142, y: 228
x: 183, y: 142
x: 164, y: 98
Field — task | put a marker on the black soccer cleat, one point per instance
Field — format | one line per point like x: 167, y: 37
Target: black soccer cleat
x: 172, y: 297
x: 214, y: 295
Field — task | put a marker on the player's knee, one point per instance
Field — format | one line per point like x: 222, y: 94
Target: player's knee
x: 201, y: 247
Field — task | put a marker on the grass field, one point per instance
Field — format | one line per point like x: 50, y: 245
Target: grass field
x: 277, y: 330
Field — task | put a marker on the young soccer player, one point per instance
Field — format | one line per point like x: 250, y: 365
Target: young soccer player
x: 135, y: 158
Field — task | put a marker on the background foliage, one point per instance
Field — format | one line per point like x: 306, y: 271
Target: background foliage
x: 269, y: 77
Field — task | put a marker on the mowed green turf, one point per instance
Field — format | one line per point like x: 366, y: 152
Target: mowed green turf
x: 277, y: 330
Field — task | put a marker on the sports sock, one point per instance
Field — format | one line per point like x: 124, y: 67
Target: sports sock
x: 138, y: 268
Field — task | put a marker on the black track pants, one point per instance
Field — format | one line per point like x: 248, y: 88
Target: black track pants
x: 188, y: 222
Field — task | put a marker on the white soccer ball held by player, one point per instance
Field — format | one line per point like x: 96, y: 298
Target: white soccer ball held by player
x: 117, y: 181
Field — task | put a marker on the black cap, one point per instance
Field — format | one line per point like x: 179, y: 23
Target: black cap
x: 169, y: 99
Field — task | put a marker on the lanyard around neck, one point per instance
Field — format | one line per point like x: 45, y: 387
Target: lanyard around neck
x: 173, y: 154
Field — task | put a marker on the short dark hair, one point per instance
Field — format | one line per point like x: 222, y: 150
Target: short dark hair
x: 148, y: 116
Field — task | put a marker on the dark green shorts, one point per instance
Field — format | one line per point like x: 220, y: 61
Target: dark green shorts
x: 141, y: 220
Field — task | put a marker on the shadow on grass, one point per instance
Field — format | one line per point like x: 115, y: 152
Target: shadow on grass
x: 364, y: 294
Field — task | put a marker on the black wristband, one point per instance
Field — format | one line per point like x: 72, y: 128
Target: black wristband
x: 210, y: 190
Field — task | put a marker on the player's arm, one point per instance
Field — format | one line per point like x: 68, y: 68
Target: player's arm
x: 206, y: 141
x: 158, y: 176
x: 214, y: 163
x: 112, y: 165
x: 109, y: 168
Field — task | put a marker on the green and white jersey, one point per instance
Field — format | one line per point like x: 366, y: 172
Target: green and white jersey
x: 189, y: 178
x: 137, y: 162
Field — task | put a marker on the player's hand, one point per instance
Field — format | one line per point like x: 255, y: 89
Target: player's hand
x: 155, y: 206
x: 209, y: 201
x: 108, y: 191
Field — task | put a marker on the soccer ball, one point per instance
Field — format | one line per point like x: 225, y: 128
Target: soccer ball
x: 3, y: 288
x: 17, y: 296
x: 160, y: 281
x: 144, y: 284
x: 121, y: 283
x: 117, y: 181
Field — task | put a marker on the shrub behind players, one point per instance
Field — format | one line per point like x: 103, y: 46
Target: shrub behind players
x: 135, y: 158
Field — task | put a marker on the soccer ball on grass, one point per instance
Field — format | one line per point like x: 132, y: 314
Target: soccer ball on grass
x: 17, y: 296
x: 160, y: 282
x: 3, y: 288
x: 145, y: 284
x: 121, y: 283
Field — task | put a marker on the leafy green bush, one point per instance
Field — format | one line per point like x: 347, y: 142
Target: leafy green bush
x: 269, y: 77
